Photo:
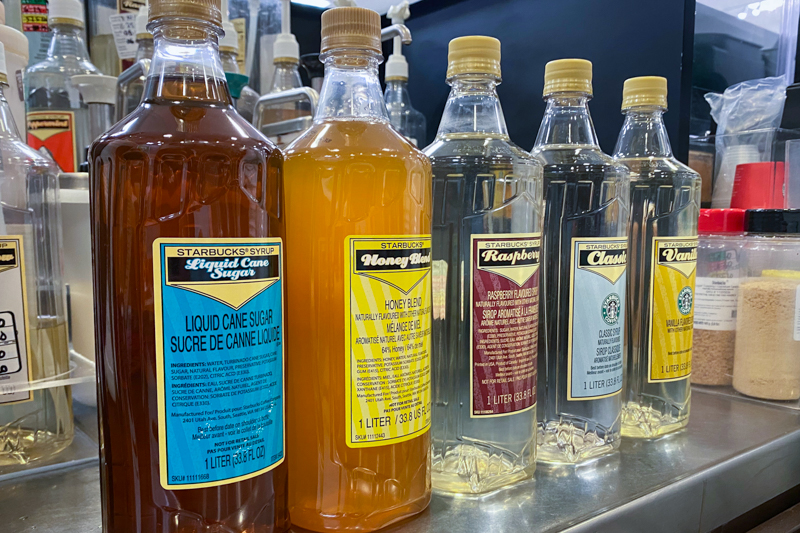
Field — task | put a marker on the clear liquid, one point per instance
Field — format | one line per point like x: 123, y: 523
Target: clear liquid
x: 479, y: 186
x: 585, y: 195
x: 665, y: 201
x: 42, y: 426
x: 104, y: 54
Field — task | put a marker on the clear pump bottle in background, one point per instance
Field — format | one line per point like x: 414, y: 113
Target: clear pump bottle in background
x: 130, y: 84
x: 584, y: 254
x: 183, y: 189
x: 665, y: 204
x: 58, y: 119
x: 34, y: 424
x: 408, y: 121
x: 358, y: 208
x: 487, y: 195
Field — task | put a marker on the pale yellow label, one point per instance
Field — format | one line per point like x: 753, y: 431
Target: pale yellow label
x: 672, y: 307
x: 387, y: 338
x: 241, y: 34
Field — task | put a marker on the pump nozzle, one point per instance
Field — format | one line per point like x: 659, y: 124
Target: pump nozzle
x: 285, y: 47
x: 397, y: 66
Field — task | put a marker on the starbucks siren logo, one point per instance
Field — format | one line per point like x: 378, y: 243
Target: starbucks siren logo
x: 685, y: 300
x: 611, y: 309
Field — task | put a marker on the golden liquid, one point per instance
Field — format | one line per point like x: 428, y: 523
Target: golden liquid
x: 344, y: 177
x: 43, y: 426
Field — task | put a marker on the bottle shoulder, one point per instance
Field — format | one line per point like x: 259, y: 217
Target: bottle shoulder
x: 65, y: 68
x: 472, y: 146
x: 353, y: 138
x: 558, y: 155
x: 642, y: 168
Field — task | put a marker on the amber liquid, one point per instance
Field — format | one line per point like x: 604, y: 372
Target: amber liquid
x: 344, y: 177
x: 180, y: 165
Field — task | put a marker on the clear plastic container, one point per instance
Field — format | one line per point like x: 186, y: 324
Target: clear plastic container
x: 104, y: 21
x: 767, y: 353
x: 486, y: 262
x: 35, y: 407
x: 130, y: 84
x: 407, y: 120
x: 58, y: 119
x: 257, y: 23
x: 720, y: 267
x: 584, y: 256
x: 16, y: 45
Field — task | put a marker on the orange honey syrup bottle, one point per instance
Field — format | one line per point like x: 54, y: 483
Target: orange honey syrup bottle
x: 358, y: 210
x: 189, y: 266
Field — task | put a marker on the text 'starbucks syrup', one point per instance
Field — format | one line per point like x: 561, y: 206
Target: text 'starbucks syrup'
x: 358, y: 206
x: 665, y: 203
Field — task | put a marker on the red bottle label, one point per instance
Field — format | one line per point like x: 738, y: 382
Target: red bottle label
x: 55, y: 132
x: 505, y: 322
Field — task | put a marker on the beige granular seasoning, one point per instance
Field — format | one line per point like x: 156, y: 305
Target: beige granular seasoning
x: 712, y: 356
x: 767, y: 358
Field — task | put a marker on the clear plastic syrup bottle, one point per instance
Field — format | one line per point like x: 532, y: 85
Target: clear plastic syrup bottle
x: 187, y: 240
x: 34, y: 424
x: 130, y: 84
x: 58, y: 119
x: 487, y: 195
x: 584, y: 256
x: 665, y: 205
x: 403, y: 116
x: 358, y: 207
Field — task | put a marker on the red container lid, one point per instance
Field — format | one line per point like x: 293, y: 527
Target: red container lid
x: 721, y: 221
x: 758, y: 186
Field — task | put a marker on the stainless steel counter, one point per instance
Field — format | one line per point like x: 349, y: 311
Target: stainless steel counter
x: 735, y: 455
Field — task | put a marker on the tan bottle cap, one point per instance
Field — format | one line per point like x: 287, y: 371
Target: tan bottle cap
x: 568, y: 76
x: 474, y: 54
x: 351, y: 27
x: 209, y: 10
x: 644, y: 91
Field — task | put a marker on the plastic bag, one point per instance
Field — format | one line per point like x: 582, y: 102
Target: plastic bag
x: 747, y: 115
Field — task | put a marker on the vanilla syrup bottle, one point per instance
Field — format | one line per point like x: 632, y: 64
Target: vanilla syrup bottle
x: 188, y: 251
x: 665, y: 205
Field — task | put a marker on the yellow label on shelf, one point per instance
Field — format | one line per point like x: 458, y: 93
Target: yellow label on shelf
x: 672, y: 308
x: 387, y: 338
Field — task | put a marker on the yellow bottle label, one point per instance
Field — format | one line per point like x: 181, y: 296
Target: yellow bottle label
x: 15, y: 342
x: 387, y: 338
x: 672, y: 308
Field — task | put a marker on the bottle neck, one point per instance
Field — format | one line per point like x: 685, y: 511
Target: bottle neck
x: 351, y: 88
x: 567, y: 122
x: 67, y: 41
x: 473, y: 107
x: 144, y: 50
x: 186, y: 64
x: 285, y: 77
x: 8, y: 128
x: 643, y: 134
x: 397, y: 92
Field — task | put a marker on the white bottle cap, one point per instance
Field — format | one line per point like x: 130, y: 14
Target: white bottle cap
x: 141, y: 24
x: 96, y: 89
x: 3, y: 69
x: 396, y: 68
x: 65, y: 11
x: 285, y: 48
x: 229, y: 41
x: 14, y: 41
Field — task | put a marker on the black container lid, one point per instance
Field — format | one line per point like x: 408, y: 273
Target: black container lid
x: 772, y: 221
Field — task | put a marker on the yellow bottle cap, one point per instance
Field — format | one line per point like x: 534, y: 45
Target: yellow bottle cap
x: 475, y: 54
x: 568, y: 76
x: 644, y: 91
x: 210, y: 10
x: 351, y: 27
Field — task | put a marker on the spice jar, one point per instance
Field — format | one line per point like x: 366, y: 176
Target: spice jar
x: 767, y: 352
x: 719, y: 267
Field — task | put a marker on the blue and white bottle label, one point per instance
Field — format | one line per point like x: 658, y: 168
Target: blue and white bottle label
x: 220, y: 365
x: 596, y: 317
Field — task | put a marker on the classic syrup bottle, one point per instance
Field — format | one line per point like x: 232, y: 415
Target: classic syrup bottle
x: 35, y: 423
x: 584, y: 254
x: 188, y: 253
x: 358, y: 206
x: 665, y: 205
x: 486, y: 244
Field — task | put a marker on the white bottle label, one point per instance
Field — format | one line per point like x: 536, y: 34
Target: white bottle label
x: 14, y: 342
x: 797, y: 314
x: 715, y: 303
